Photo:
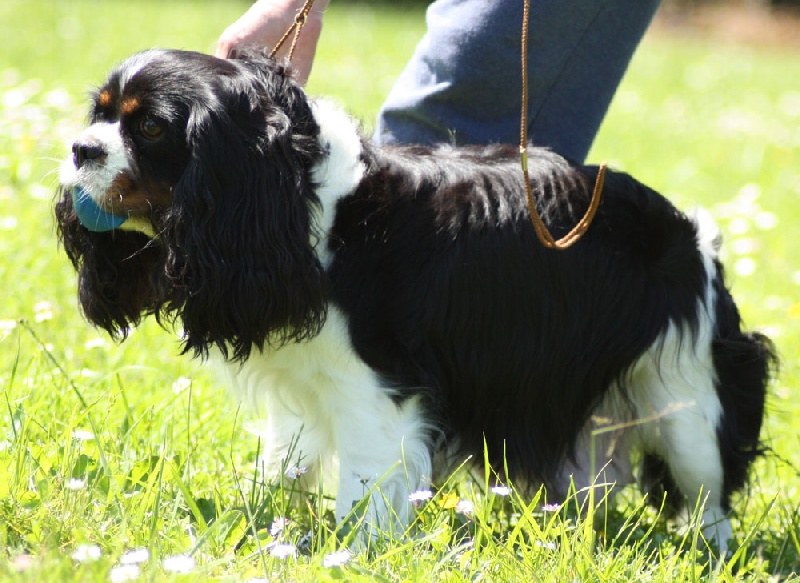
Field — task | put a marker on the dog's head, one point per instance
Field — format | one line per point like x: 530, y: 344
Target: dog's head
x: 189, y: 196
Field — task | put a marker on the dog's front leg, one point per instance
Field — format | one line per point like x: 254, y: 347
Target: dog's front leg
x: 383, y: 458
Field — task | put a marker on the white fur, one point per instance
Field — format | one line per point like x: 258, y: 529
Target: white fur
x: 674, y: 385
x: 96, y: 177
x: 135, y: 64
x: 321, y: 398
x: 709, y: 238
x: 342, y: 408
x: 340, y: 171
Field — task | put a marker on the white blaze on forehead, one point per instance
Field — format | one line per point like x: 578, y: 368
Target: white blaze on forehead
x: 135, y: 64
x: 95, y: 177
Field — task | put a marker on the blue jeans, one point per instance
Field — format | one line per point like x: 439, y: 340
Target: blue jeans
x: 463, y: 84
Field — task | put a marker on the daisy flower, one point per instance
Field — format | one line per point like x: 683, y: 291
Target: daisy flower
x: 278, y: 525
x: 179, y: 564
x: 420, y: 496
x: 501, y: 490
x: 283, y: 550
x: 295, y: 472
x: 337, y: 559
x: 125, y: 573
x: 86, y: 553
x: 82, y: 435
x: 135, y: 557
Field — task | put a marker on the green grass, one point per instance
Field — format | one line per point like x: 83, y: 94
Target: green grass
x: 169, y: 466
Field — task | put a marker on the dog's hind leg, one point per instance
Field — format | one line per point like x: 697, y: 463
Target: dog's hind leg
x: 679, y: 413
x: 705, y: 385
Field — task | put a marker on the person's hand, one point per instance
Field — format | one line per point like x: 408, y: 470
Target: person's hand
x: 265, y: 23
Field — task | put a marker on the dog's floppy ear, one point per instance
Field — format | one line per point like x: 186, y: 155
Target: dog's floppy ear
x: 241, y: 262
x: 116, y: 284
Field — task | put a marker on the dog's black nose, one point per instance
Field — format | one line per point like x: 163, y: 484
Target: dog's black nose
x: 84, y: 150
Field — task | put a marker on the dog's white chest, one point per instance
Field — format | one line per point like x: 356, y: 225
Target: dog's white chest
x: 322, y: 373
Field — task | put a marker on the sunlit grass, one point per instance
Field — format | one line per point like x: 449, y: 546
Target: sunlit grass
x: 107, y: 450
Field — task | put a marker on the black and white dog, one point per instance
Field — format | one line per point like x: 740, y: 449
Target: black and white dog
x: 392, y: 307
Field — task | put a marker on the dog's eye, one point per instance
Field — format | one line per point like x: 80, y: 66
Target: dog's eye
x: 150, y: 128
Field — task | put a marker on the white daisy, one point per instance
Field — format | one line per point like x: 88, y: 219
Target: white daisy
x: 283, y: 550
x: 295, y: 472
x: 336, y: 559
x: 135, y: 557
x: 179, y: 564
x: 125, y: 573
x: 86, y: 553
x: 420, y: 495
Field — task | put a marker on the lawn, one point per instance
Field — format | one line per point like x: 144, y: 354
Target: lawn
x: 130, y: 461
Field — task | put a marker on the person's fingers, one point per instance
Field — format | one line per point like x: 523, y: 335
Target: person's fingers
x: 265, y: 23
x: 223, y: 48
x: 304, y: 52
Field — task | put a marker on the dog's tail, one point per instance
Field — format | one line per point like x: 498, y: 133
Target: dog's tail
x: 744, y: 363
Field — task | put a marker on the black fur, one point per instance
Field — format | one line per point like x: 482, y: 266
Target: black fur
x: 447, y: 293
x: 238, y: 271
x: 447, y: 288
x: 742, y: 361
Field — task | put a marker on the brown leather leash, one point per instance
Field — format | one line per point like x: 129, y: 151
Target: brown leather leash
x: 299, y: 20
x: 541, y: 229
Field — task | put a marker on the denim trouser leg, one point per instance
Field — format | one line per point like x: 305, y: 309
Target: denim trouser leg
x: 462, y: 84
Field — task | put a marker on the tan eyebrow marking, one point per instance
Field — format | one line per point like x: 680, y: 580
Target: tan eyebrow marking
x: 104, y: 99
x: 130, y: 104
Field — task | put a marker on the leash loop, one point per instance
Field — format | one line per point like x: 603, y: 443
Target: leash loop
x: 299, y: 21
x: 542, y: 232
